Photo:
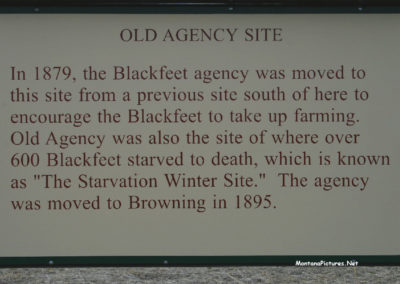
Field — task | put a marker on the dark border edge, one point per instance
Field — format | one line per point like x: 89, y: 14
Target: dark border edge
x: 126, y: 261
x: 200, y: 10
